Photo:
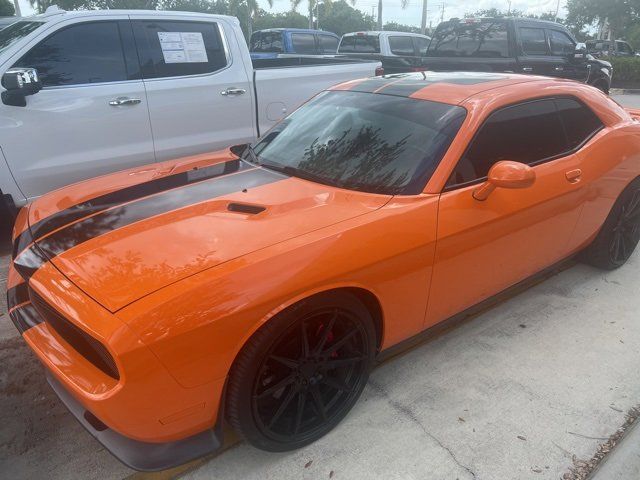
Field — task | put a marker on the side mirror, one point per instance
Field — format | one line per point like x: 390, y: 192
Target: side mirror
x: 506, y: 174
x: 581, y: 50
x: 19, y: 83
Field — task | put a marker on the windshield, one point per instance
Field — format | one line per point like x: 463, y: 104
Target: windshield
x: 16, y: 31
x: 369, y: 142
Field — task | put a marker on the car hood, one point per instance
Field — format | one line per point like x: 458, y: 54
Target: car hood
x: 130, y: 242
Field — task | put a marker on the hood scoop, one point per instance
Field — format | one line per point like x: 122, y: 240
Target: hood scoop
x: 245, y: 208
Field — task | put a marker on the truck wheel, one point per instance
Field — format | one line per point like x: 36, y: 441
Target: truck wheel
x: 301, y: 373
x: 6, y: 221
x: 620, y: 232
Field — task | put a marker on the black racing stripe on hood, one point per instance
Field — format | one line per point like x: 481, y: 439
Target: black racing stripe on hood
x: 17, y: 295
x: 25, y: 318
x: 29, y: 261
x: 128, y: 194
x: 119, y: 217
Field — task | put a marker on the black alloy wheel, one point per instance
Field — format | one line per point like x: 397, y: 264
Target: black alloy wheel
x: 626, y: 232
x: 620, y: 233
x: 300, y: 375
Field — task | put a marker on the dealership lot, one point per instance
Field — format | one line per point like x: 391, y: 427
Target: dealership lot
x: 515, y: 393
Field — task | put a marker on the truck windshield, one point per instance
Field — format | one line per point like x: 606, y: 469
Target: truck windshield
x: 361, y: 141
x: 470, y: 38
x: 16, y: 31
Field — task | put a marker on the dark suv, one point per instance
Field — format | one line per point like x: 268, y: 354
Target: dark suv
x: 519, y: 45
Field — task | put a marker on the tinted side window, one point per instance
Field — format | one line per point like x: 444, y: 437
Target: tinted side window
x: 174, y: 48
x: 304, y: 43
x: 79, y: 54
x: 401, y: 46
x: 327, y: 44
x: 422, y: 45
x: 347, y: 45
x: 533, y: 41
x: 527, y: 133
x: 477, y: 39
x: 624, y: 47
x: 561, y: 43
x: 579, y: 121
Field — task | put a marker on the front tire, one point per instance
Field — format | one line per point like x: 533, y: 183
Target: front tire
x: 620, y: 233
x: 302, y: 372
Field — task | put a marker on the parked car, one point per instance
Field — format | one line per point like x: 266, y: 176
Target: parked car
x: 124, y: 88
x: 6, y: 21
x: 398, y: 51
x: 260, y: 285
x: 515, y: 45
x: 617, y: 48
x: 277, y: 41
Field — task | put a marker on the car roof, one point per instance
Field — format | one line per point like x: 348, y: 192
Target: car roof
x: 55, y: 13
x: 444, y: 87
x: 385, y: 32
x: 296, y: 30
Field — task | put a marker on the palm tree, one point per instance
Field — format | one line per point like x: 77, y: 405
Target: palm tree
x: 253, y: 6
x: 403, y: 5
x: 313, y: 5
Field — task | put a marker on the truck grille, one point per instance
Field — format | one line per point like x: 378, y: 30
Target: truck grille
x: 82, y: 342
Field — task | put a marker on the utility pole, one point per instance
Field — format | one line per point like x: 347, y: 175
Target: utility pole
x: 557, y: 10
x: 442, y: 13
x: 423, y: 28
x: 509, y: 10
x: 16, y: 5
x: 379, y: 14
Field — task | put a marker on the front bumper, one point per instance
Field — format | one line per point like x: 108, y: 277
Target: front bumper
x: 140, y: 455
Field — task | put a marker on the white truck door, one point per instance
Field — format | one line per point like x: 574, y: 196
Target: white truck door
x: 91, y: 116
x: 198, y: 87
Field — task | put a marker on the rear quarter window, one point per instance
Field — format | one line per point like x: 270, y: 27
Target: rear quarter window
x: 304, y: 43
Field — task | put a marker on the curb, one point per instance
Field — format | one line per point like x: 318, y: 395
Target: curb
x: 624, y: 91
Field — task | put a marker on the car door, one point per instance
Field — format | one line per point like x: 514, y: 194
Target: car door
x: 484, y: 247
x: 91, y: 116
x: 198, y: 89
x: 534, y: 56
x: 563, y: 54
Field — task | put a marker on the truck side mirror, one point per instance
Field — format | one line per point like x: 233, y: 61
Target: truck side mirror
x: 19, y: 83
x: 581, y: 50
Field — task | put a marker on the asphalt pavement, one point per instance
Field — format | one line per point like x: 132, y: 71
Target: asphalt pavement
x: 525, y: 390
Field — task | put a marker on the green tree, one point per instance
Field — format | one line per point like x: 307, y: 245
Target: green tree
x: 6, y: 8
x: 620, y: 14
x: 340, y: 18
x: 399, y: 27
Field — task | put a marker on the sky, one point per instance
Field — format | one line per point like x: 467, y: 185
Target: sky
x: 412, y: 15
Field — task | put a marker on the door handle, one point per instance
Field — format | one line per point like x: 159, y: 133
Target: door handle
x: 527, y: 69
x: 559, y: 69
x: 233, y: 91
x: 573, y: 176
x: 124, y: 101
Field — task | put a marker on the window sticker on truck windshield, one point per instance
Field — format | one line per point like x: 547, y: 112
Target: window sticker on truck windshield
x: 183, y: 47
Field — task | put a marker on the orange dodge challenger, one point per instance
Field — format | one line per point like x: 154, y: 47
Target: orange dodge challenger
x: 259, y: 285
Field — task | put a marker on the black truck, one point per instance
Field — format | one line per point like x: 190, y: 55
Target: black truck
x: 517, y: 45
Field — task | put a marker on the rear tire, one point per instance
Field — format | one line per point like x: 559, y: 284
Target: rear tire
x: 301, y: 373
x: 620, y: 233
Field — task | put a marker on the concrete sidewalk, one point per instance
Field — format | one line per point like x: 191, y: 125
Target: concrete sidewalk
x: 623, y: 463
x: 517, y: 393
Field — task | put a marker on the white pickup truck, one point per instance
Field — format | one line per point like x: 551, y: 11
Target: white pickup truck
x: 87, y: 93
